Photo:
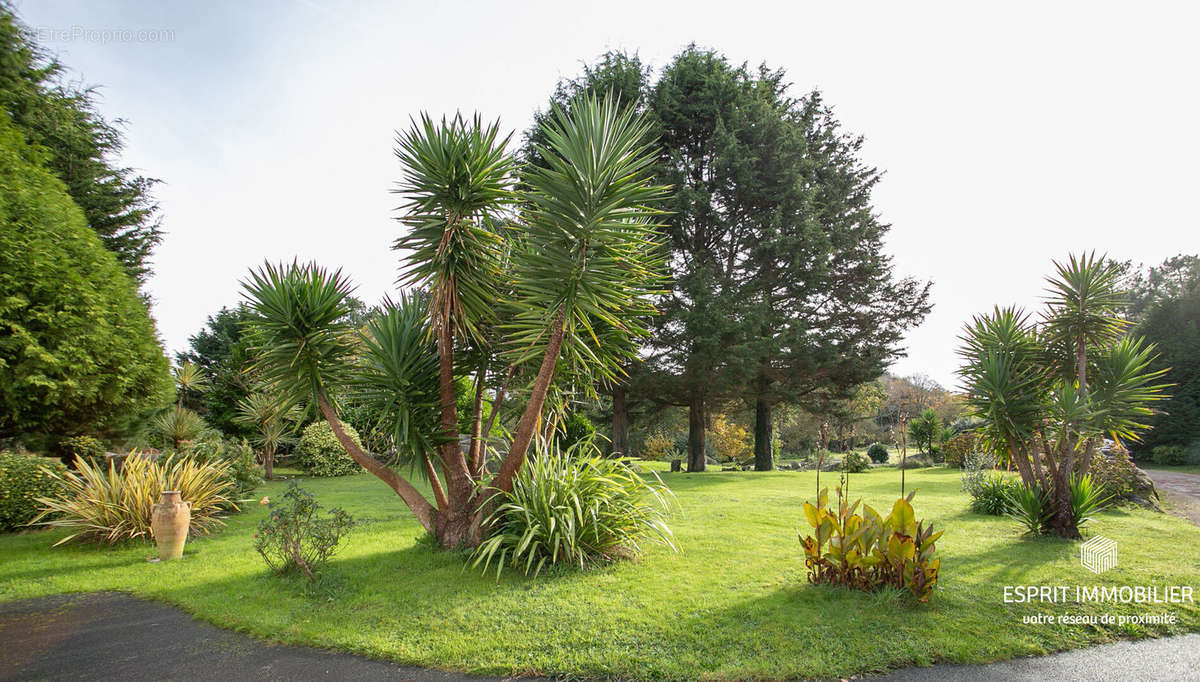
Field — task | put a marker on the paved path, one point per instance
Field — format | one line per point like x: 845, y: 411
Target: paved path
x: 1183, y: 491
x: 1149, y: 660
x: 113, y: 636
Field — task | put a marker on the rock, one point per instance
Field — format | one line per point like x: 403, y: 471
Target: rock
x: 1144, y: 493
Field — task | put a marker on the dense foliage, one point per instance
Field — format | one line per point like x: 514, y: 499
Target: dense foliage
x: 878, y: 452
x: 79, y: 353
x: 575, y: 508
x: 236, y: 461
x: 765, y: 186
x: 867, y: 551
x: 320, y: 454
x: 23, y: 479
x: 221, y: 351
x: 1034, y: 507
x: 295, y: 536
x: 1173, y: 326
x: 111, y: 505
x: 529, y: 301
x: 1049, y: 392
x: 855, y: 462
x: 81, y: 147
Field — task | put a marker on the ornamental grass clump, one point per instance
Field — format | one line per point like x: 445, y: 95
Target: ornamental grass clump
x: 574, y: 507
x: 867, y: 551
x: 110, y: 505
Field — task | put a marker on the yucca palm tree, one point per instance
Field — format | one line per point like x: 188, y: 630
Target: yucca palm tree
x: 272, y: 419
x: 576, y: 256
x: 178, y: 425
x: 1048, y: 393
x: 188, y: 379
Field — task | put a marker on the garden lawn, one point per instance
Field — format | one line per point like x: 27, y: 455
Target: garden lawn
x: 733, y: 604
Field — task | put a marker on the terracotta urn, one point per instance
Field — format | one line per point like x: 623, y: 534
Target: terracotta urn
x: 169, y: 523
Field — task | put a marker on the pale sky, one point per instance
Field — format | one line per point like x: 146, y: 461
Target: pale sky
x: 1011, y: 134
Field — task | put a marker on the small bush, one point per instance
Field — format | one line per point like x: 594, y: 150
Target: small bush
x: 239, y: 462
x: 574, y: 429
x: 878, y: 452
x: 730, y: 441
x: 958, y: 447
x: 294, y: 536
x: 1169, y: 455
x: 977, y: 466
x: 868, y: 552
x: 108, y: 506
x: 23, y: 479
x: 993, y: 494
x: 574, y: 507
x: 659, y: 447
x: 1114, y: 473
x: 82, y: 447
x: 320, y: 454
x: 855, y: 462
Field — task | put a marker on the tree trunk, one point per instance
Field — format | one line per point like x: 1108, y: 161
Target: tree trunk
x: 696, y: 423
x: 533, y: 411
x: 764, y: 437
x: 620, y: 423
x: 420, y: 507
x: 460, y: 486
x: 268, y: 462
x: 1063, y: 522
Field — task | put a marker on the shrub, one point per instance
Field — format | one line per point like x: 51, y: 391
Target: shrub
x: 576, y: 428
x: 108, y: 506
x: 867, y: 551
x: 23, y: 479
x: 731, y: 441
x: 658, y: 447
x: 320, y: 454
x: 79, y: 353
x: 878, y: 452
x: 958, y: 447
x: 82, y: 447
x: 239, y: 464
x: 295, y: 536
x: 574, y: 507
x: 1169, y: 455
x: 1114, y: 473
x: 855, y: 462
x: 992, y: 494
x: 976, y: 470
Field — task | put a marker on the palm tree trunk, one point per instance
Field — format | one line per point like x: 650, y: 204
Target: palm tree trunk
x: 459, y: 483
x: 420, y: 507
x: 533, y: 411
x: 269, y: 462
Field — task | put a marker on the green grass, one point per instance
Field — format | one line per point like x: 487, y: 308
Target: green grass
x: 733, y: 605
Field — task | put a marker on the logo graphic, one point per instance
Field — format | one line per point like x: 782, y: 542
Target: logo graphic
x: 1098, y: 554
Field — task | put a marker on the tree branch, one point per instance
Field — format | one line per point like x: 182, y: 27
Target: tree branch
x: 420, y: 507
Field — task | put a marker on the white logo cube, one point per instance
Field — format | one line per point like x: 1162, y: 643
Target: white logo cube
x: 1098, y: 554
